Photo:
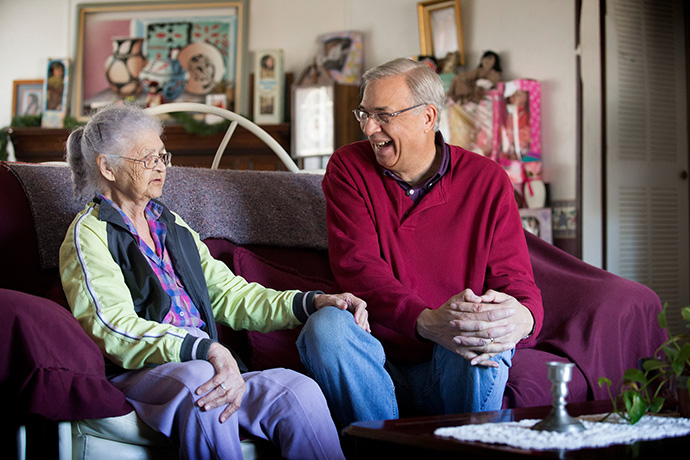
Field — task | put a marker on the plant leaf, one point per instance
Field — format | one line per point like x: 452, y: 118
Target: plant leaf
x: 604, y: 381
x: 685, y: 313
x: 635, y: 375
x: 636, y: 407
x: 661, y: 317
x: 656, y: 405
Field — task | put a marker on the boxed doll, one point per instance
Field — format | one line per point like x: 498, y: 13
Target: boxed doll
x: 521, y: 121
x: 476, y: 125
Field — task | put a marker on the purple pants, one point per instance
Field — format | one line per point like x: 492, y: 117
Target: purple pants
x: 280, y: 405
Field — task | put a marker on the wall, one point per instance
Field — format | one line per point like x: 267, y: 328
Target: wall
x: 535, y: 39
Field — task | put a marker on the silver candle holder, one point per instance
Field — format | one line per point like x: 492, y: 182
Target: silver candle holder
x: 559, y: 420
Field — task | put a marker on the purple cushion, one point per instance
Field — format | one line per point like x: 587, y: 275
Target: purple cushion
x: 275, y: 349
x: 49, y: 366
x: 20, y: 269
x: 528, y: 382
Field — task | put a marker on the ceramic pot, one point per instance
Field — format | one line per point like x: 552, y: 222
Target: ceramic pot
x: 122, y: 68
x: 167, y: 75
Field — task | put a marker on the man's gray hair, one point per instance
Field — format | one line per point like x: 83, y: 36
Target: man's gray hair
x: 424, y: 83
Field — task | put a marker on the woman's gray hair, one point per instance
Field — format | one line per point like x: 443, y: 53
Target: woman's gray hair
x: 114, y: 130
x: 424, y: 83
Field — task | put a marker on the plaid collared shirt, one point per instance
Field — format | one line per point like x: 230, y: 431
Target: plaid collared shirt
x: 182, y: 312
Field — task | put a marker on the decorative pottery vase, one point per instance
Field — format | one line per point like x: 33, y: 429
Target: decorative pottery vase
x: 167, y: 75
x: 122, y: 68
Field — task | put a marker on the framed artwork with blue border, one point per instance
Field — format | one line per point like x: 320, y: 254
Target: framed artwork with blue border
x: 55, y: 93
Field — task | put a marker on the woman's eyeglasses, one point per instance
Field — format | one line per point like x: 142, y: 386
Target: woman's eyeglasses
x: 151, y: 161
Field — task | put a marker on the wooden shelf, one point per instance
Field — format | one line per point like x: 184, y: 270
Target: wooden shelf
x: 245, y: 151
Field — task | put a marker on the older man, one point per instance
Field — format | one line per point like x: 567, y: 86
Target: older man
x: 430, y: 236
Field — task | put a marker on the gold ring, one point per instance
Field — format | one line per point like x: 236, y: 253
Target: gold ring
x: 492, y: 340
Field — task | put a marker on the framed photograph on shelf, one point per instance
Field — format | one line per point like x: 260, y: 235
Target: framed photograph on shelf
x: 55, y: 93
x: 440, y: 28
x: 269, y: 87
x: 168, y: 50
x: 342, y: 54
x: 27, y: 97
x: 538, y: 222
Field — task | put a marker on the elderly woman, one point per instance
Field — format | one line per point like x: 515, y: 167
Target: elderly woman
x: 148, y: 292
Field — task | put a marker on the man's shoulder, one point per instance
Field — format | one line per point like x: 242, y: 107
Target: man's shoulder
x: 466, y: 159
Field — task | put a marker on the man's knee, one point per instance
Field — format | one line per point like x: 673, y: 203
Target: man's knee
x: 329, y: 327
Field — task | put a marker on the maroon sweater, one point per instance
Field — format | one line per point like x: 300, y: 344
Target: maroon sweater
x: 400, y: 258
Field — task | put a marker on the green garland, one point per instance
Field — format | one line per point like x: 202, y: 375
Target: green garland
x: 190, y: 123
x: 195, y: 126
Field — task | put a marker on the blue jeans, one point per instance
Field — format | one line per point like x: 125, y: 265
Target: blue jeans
x: 350, y: 366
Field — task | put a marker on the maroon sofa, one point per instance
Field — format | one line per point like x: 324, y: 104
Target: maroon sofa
x: 268, y: 227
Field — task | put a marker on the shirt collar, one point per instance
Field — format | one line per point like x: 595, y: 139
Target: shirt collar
x: 420, y: 189
x: 153, y: 211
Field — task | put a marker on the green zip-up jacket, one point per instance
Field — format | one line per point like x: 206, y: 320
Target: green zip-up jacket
x: 119, y: 302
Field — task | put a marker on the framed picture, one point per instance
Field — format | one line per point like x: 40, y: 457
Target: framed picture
x: 159, y: 51
x: 269, y: 87
x: 55, y: 93
x: 440, y: 28
x: 342, y: 53
x: 216, y: 100
x: 538, y: 222
x: 313, y: 120
x: 27, y: 97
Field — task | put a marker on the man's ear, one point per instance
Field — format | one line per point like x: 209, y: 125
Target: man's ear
x: 430, y: 116
x: 105, y: 167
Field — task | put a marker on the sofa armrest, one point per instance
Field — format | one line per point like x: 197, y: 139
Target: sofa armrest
x: 49, y: 366
x: 601, y: 322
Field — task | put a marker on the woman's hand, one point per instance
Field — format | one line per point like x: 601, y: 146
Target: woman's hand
x: 226, y: 387
x: 346, y: 301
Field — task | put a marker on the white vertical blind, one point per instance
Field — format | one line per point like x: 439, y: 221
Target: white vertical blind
x: 648, y: 209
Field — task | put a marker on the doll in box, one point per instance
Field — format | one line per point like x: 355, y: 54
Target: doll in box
x: 516, y: 128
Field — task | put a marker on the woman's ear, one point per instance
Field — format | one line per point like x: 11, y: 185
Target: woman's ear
x: 105, y: 167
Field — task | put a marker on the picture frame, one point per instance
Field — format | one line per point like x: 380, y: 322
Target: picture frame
x: 27, y: 97
x: 538, y: 222
x: 269, y: 87
x: 167, y: 50
x: 342, y: 54
x: 440, y: 28
x: 56, y: 93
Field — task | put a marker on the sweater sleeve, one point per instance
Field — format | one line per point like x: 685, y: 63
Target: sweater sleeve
x: 355, y: 253
x: 509, y: 268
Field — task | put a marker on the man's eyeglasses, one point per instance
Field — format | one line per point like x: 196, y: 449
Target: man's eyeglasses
x: 151, y: 161
x: 363, y: 116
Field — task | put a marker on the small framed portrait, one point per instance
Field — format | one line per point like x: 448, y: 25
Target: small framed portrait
x: 440, y: 29
x: 55, y: 93
x: 27, y: 97
x: 538, y: 222
x: 269, y: 87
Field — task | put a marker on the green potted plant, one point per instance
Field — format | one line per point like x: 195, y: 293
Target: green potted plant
x: 661, y: 377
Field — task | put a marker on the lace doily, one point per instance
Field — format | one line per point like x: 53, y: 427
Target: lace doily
x: 614, y: 430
